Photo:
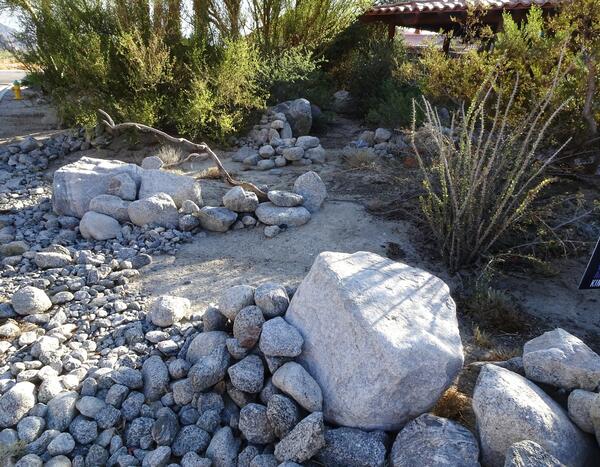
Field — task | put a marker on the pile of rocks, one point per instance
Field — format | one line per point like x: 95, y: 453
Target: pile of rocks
x: 269, y: 376
x: 106, y: 194
x: 31, y: 154
x: 282, y: 138
x: 379, y: 143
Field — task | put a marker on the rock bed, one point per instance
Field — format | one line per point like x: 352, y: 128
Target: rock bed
x: 281, y: 138
x: 92, y: 373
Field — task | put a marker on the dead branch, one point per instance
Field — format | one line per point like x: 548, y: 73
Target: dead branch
x: 194, y: 147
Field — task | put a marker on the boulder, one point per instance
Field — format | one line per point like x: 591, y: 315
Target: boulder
x: 530, y: 454
x: 76, y: 184
x: 304, y: 441
x: 178, y: 187
x: 99, y: 226
x: 580, y: 405
x: 343, y: 102
x: 216, y: 219
x: 562, y: 360
x: 307, y: 142
x: 123, y: 186
x: 350, y: 447
x: 312, y: 189
x: 293, y: 154
x: 431, y: 440
x: 298, y: 114
x: 30, y: 300
x: 285, y: 199
x: 266, y: 151
x: 112, y: 206
x: 239, y: 200
x: 509, y: 408
x: 152, y: 163
x: 51, y: 259
x: 204, y: 343
x: 380, y: 337
x: 159, y: 209
x: 382, y: 135
x: 168, y: 310
x: 316, y: 155
x: 270, y: 214
x: 15, y: 403
x: 297, y: 383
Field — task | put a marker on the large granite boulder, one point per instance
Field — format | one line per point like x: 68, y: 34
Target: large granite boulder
x: 76, y: 184
x: 381, y: 338
x: 431, y: 440
x: 270, y: 214
x: 299, y: 115
x: 99, y: 226
x: 510, y: 408
x: 563, y: 360
x: 159, y: 209
x: 178, y: 187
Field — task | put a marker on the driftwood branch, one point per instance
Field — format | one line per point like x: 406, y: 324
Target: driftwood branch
x: 193, y: 147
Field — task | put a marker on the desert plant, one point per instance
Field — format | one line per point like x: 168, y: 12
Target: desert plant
x: 483, y: 173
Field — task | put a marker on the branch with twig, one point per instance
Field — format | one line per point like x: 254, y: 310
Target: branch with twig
x: 194, y: 147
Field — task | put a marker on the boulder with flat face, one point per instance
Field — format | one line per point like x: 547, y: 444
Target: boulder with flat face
x: 562, y: 360
x: 178, y: 187
x: 76, y: 184
x: 510, y: 408
x: 380, y: 337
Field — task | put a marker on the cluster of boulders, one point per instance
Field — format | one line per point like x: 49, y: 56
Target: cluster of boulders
x: 275, y: 376
x: 282, y: 138
x: 109, y: 195
x: 379, y: 143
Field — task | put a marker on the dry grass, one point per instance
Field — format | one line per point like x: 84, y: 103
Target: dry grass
x: 501, y: 354
x: 170, y: 155
x: 359, y: 158
x: 495, y: 310
x: 455, y: 405
x: 482, y: 338
x: 211, y: 173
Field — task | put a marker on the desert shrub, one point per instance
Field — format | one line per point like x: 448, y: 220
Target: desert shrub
x: 372, y: 68
x: 222, y: 93
x: 296, y: 72
x: 484, y: 172
x: 531, y: 50
x: 309, y: 24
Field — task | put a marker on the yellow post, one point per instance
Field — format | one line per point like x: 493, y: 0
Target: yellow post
x: 17, y: 90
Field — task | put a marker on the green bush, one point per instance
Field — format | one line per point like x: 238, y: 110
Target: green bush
x: 222, y: 94
x: 371, y: 67
x: 531, y: 51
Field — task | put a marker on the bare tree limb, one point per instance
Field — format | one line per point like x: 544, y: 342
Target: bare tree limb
x: 194, y: 147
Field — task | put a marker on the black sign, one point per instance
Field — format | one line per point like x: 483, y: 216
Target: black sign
x: 591, y: 277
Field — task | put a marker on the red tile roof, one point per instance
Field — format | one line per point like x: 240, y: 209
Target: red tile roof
x: 449, y: 6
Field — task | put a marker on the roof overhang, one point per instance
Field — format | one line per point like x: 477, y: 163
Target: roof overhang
x: 433, y: 15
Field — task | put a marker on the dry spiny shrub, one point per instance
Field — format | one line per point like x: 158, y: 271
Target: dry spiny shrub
x: 483, y: 173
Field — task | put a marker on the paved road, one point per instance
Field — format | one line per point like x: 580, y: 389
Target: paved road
x: 8, y: 76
